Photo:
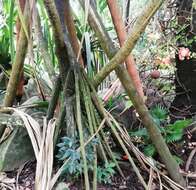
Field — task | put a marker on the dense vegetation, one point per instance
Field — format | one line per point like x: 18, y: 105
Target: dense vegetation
x: 97, y: 94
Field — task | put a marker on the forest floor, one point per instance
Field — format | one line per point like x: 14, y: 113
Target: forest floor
x: 24, y: 177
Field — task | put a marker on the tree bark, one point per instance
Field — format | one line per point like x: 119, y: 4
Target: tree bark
x: 61, y: 48
x: 72, y: 32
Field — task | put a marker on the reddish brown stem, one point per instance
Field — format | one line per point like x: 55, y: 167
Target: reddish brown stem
x: 72, y: 32
x: 122, y: 35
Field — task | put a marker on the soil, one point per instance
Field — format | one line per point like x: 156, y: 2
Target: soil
x: 130, y: 182
x: 26, y: 180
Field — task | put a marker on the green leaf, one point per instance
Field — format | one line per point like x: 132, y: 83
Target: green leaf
x: 128, y: 104
x: 139, y: 133
x: 104, y: 174
x: 110, y: 165
x: 173, y: 137
x: 102, y: 5
x: 149, y: 150
x: 179, y: 125
x: 159, y: 114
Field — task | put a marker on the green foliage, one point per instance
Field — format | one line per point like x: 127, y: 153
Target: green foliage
x: 140, y: 133
x: 175, y: 131
x: 105, y: 173
x: 111, y: 103
x: 4, y: 41
x: 159, y: 114
x: 102, y: 4
x: 5, y: 57
x: 171, y: 133
x: 68, y: 148
x: 6, y: 29
x: 181, y: 31
x: 4, y: 45
x: 149, y: 150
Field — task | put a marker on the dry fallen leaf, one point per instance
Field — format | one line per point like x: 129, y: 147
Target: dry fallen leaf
x: 5, y: 179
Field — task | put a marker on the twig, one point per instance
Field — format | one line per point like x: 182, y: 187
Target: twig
x: 160, y: 183
x: 150, y: 179
x: 189, y: 159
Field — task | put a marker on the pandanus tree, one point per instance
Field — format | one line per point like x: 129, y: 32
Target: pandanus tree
x: 79, y: 98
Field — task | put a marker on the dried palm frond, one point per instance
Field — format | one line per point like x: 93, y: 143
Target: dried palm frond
x: 42, y: 142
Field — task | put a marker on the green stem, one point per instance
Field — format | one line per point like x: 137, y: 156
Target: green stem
x: 43, y: 46
x: 79, y: 124
x: 61, y: 48
x: 87, y: 100
x: 18, y: 62
x: 90, y: 111
x: 61, y: 118
x: 95, y: 170
x: 110, y: 153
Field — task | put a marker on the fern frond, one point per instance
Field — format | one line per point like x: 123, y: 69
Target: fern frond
x: 159, y: 114
x: 173, y: 137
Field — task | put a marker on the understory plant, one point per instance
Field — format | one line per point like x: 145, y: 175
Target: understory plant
x: 105, y: 173
x: 68, y: 148
x: 172, y: 132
